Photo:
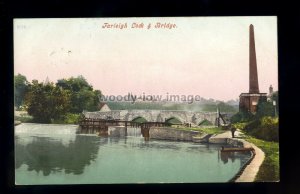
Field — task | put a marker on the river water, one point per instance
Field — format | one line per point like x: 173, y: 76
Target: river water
x: 55, y: 154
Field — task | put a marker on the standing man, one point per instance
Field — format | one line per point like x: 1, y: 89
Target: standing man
x: 233, y: 129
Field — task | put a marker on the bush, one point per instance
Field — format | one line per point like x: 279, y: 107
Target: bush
x: 239, y: 125
x: 72, y: 118
x: 23, y: 119
x: 69, y: 118
x: 265, y: 109
x: 265, y: 128
x: 241, y: 117
x: 252, y: 125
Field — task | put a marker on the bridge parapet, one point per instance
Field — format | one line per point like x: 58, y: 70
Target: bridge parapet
x: 156, y: 115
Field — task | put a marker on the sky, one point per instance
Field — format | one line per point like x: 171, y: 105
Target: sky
x: 206, y: 56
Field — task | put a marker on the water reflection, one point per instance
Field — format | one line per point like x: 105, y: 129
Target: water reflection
x: 241, y: 157
x: 225, y: 156
x: 208, y: 148
x: 49, y: 155
x: 134, y: 131
x: 46, y: 155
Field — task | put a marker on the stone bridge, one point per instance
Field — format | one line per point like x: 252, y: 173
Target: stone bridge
x: 195, y: 118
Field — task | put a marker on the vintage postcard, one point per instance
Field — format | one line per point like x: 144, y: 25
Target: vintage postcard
x: 146, y: 100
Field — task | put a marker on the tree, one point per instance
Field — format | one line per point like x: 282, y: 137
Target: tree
x: 20, y: 89
x: 264, y: 108
x: 242, y: 116
x: 83, y: 97
x: 47, y: 102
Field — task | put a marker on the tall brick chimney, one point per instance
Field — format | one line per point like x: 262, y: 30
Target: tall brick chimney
x: 249, y: 101
x: 253, y: 78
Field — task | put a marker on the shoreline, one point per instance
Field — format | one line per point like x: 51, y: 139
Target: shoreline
x: 247, y: 172
x: 47, y: 124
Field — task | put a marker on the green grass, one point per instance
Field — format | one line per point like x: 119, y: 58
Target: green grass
x: 68, y: 119
x: 24, y: 119
x: 208, y: 130
x: 205, y: 123
x: 269, y: 170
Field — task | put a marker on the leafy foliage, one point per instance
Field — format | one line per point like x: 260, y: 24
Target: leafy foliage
x: 267, y: 129
x: 46, y: 102
x: 265, y: 109
x: 242, y: 116
x: 60, y: 103
x: 20, y: 88
x: 239, y: 125
x: 83, y: 97
x: 205, y: 122
x: 69, y: 118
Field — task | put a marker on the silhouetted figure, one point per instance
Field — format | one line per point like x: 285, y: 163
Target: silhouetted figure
x: 232, y: 129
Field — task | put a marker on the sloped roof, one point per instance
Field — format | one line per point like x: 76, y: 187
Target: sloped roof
x: 101, y: 104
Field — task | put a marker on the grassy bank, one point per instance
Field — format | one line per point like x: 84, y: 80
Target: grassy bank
x: 264, y: 133
x: 68, y: 119
x: 24, y: 119
x: 269, y: 170
x: 208, y: 130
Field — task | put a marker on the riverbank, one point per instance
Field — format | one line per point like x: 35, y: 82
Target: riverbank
x: 263, y: 133
x: 269, y: 169
x: 247, y: 173
x: 24, y: 117
x: 250, y: 171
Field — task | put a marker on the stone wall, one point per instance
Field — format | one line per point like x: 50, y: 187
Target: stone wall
x: 168, y: 133
x: 217, y: 140
x: 238, y: 143
x: 230, y: 141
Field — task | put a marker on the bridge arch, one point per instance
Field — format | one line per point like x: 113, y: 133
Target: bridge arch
x: 173, y: 120
x: 139, y: 119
